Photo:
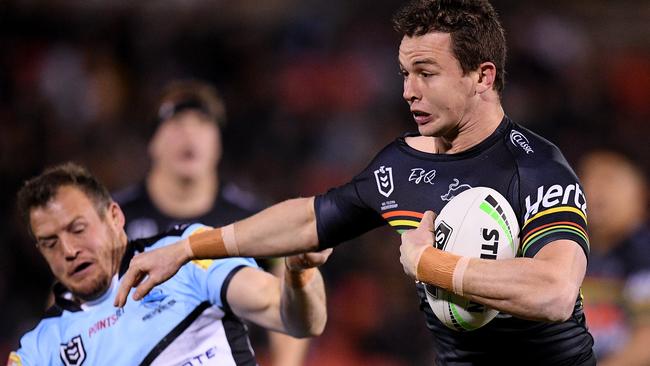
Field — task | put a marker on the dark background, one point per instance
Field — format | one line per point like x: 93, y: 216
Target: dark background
x: 312, y: 91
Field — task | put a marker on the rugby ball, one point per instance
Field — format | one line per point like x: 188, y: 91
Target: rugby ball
x: 478, y: 223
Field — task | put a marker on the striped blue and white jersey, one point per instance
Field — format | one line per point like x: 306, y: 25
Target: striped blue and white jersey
x: 183, y: 321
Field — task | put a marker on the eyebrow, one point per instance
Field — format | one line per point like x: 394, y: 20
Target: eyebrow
x: 426, y: 61
x: 66, y: 227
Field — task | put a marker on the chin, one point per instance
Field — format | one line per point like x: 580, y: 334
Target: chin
x: 190, y: 171
x: 90, y: 289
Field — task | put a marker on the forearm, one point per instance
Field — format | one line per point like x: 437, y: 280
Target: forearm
x: 286, y: 350
x: 303, y: 305
x: 523, y: 287
x: 541, y: 288
x: 286, y: 228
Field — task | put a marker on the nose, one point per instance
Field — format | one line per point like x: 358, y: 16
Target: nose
x: 69, y: 248
x: 411, y: 91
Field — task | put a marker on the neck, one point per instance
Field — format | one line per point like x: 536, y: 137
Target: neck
x: 181, y: 197
x: 604, y: 240
x: 471, y: 131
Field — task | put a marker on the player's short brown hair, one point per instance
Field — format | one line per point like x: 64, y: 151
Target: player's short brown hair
x: 476, y: 33
x: 38, y: 191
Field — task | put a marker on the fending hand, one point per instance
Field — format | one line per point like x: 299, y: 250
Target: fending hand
x: 146, y: 270
x: 415, y: 241
x: 303, y: 261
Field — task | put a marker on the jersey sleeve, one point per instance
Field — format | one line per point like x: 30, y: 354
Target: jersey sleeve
x: 342, y: 215
x: 35, y: 348
x: 212, y: 277
x: 553, y: 204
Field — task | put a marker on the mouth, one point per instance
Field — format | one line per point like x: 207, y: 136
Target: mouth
x: 421, y: 117
x: 188, y: 154
x: 79, y: 269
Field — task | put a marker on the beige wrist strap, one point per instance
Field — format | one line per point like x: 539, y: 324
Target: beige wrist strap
x: 214, y: 243
x: 437, y: 267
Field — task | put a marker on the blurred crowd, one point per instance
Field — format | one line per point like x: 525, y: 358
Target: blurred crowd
x: 312, y: 92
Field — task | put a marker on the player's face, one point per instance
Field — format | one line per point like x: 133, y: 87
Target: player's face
x: 614, y: 195
x: 440, y: 97
x: 82, y: 249
x: 188, y: 145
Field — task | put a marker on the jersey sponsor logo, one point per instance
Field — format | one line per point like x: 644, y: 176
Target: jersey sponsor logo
x: 14, y: 360
x: 107, y: 322
x: 443, y: 232
x: 454, y: 189
x: 553, y: 196
x: 73, y: 353
x: 200, y: 358
x: 384, y: 178
x: 156, y: 300
x: 518, y: 139
x: 420, y: 175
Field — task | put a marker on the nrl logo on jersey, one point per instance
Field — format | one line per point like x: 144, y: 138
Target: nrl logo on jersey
x: 553, y: 196
x: 518, y: 139
x: 73, y: 353
x: 384, y: 178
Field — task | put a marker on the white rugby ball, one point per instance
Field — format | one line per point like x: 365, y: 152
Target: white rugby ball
x: 478, y: 223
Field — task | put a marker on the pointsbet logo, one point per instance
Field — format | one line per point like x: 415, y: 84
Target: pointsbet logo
x: 553, y: 196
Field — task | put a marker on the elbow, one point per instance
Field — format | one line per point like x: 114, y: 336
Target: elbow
x: 314, y: 329
x: 319, y: 328
x: 559, y: 304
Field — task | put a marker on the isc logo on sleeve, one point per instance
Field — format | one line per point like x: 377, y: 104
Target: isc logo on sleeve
x: 553, y: 196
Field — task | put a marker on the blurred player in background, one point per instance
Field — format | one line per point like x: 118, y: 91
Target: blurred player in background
x: 617, y: 284
x: 183, y: 183
x: 192, y: 319
x: 452, y: 58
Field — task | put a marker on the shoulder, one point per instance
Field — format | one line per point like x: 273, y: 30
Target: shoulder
x: 530, y: 149
x: 539, y: 162
x: 391, y: 154
x: 636, y: 246
x: 40, y: 341
x: 238, y: 198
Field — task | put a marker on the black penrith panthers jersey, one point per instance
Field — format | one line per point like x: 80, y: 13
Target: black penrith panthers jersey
x: 401, y: 183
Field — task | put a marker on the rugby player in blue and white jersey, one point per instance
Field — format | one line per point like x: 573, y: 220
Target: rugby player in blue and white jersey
x: 194, y: 318
x: 452, y: 58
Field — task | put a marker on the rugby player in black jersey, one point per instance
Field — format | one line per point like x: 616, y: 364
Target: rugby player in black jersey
x: 452, y: 57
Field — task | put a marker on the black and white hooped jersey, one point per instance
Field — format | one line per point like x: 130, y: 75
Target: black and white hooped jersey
x: 185, y: 321
x: 401, y: 183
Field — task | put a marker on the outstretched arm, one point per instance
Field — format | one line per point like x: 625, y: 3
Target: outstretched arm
x: 286, y: 228
x: 541, y: 288
x: 294, y: 305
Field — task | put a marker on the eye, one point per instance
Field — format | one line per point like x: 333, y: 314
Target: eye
x: 403, y: 73
x: 425, y: 74
x: 78, y: 228
x: 47, y: 244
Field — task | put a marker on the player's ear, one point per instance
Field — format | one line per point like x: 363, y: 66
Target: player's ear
x: 487, y: 73
x: 115, y: 215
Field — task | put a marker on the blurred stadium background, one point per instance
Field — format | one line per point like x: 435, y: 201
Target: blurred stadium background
x: 312, y: 92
